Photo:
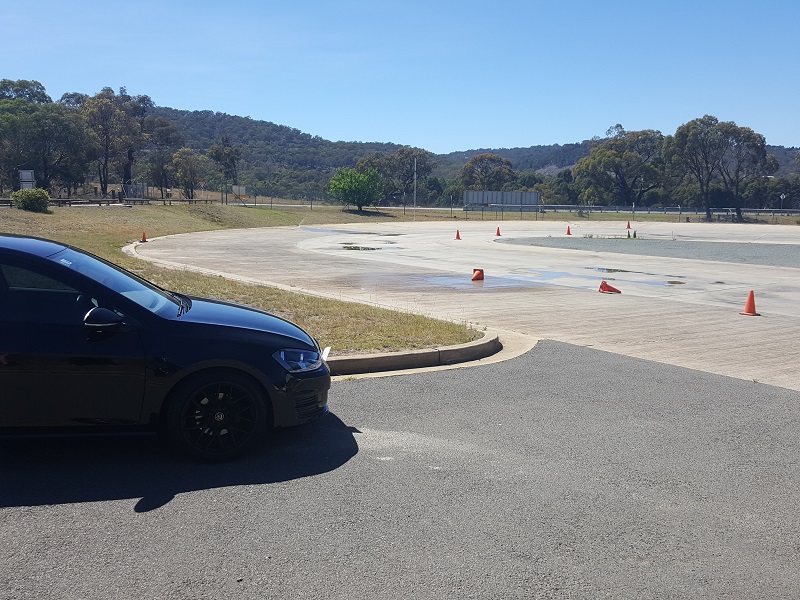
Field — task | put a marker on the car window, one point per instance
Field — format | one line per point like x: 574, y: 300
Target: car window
x: 123, y: 282
x: 31, y: 296
x: 18, y: 278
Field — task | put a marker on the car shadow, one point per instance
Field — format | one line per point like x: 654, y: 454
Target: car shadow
x: 37, y: 471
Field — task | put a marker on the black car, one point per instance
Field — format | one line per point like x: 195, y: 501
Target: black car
x: 85, y: 344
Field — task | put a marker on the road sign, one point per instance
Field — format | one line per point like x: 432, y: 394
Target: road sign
x: 202, y: 184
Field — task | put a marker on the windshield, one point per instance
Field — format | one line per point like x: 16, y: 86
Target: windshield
x: 127, y: 284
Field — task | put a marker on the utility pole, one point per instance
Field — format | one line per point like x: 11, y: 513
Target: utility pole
x: 415, y: 189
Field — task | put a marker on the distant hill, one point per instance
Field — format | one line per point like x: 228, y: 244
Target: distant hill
x: 300, y: 164
x: 285, y: 146
x: 265, y: 142
x: 549, y: 159
x: 786, y: 159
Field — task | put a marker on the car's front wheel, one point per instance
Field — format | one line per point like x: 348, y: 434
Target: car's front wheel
x: 216, y: 416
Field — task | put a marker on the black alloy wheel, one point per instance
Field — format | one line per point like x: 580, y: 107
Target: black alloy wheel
x: 217, y: 416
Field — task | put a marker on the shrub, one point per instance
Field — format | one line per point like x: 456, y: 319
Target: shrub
x: 31, y: 200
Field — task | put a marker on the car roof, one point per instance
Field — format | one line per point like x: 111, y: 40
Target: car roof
x: 30, y: 245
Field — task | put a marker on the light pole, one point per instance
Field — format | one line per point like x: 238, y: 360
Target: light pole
x: 415, y: 189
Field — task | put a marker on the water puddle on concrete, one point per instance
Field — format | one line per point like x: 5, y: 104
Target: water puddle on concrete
x: 604, y: 270
x: 466, y: 283
x: 539, y: 277
x: 519, y: 280
x: 345, y: 231
x: 359, y: 248
x: 672, y: 279
x: 327, y: 230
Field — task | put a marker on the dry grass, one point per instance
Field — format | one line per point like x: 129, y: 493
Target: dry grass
x: 346, y: 327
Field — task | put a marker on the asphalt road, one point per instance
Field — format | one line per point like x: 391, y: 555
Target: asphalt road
x: 567, y: 472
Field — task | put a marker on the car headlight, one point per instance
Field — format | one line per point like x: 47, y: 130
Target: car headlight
x: 297, y: 361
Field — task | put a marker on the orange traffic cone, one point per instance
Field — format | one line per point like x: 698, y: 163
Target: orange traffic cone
x: 458, y: 235
x: 629, y: 225
x: 498, y: 232
x: 607, y: 289
x: 477, y: 274
x: 144, y: 236
x: 568, y: 233
x: 750, y: 306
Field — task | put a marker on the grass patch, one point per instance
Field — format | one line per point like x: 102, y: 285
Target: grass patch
x: 346, y: 327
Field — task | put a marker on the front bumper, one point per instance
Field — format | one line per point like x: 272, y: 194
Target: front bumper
x: 303, y: 399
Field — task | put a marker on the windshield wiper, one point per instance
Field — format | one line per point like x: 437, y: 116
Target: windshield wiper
x: 184, y: 302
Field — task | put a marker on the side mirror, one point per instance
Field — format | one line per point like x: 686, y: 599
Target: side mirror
x: 102, y: 318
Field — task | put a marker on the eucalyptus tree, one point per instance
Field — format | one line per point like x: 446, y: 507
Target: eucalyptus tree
x: 561, y: 188
x: 399, y: 169
x: 412, y: 164
x: 190, y: 168
x: 117, y: 121
x: 64, y: 147
x: 700, y: 145
x: 487, y: 171
x: 15, y: 122
x: 622, y: 168
x: 773, y: 192
x: 45, y: 137
x: 745, y: 159
x: 383, y: 163
x: 714, y: 151
x: 164, y: 139
x: 73, y: 100
x: 32, y: 91
x: 227, y: 157
x: 73, y: 171
x: 135, y: 109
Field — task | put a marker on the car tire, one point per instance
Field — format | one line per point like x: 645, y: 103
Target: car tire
x: 216, y: 416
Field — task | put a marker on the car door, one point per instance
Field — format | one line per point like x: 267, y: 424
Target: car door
x: 54, y: 370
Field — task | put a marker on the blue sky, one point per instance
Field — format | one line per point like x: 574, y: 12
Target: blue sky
x: 440, y: 75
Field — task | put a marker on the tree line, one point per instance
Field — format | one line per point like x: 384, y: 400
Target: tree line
x: 115, y: 137
x: 109, y: 137
x: 706, y: 163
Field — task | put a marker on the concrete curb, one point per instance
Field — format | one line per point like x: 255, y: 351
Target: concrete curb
x: 416, y: 359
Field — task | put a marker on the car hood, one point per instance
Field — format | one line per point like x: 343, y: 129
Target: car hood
x: 227, y: 314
